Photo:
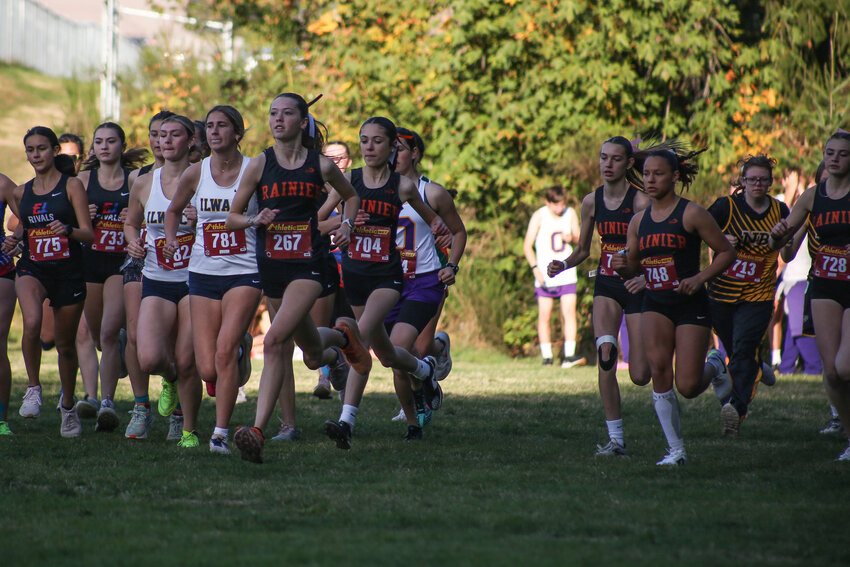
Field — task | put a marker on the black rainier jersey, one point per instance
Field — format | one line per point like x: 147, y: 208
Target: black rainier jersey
x: 293, y: 235
x: 829, y: 234
x: 613, y: 228
x: 372, y: 249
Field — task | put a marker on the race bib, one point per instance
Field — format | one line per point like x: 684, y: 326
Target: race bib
x: 181, y: 255
x: 218, y: 241
x: 45, y: 245
x: 108, y: 236
x: 660, y: 272
x: 408, y: 263
x: 831, y: 263
x: 609, y: 250
x: 370, y: 243
x: 289, y: 241
x: 747, y: 268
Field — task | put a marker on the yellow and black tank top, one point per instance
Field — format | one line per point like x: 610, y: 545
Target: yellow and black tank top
x: 752, y: 277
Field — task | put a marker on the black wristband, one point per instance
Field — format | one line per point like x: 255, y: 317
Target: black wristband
x: 453, y: 267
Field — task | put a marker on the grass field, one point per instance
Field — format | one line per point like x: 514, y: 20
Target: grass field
x: 505, y: 476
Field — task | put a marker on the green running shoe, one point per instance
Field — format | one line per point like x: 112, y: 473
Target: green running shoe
x: 168, y: 398
x: 189, y: 440
x: 4, y: 428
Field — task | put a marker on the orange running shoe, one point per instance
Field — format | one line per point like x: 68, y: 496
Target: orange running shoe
x: 250, y: 441
x: 356, y: 353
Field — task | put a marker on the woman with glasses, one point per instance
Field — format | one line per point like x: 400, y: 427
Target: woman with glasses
x: 741, y: 298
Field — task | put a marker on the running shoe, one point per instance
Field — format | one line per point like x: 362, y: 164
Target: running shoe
x: 31, y: 406
x: 413, y: 433
x: 323, y: 388
x: 611, y: 449
x: 833, y: 427
x: 845, y: 456
x: 444, y: 357
x: 87, y: 408
x: 432, y: 389
x: 189, y: 440
x: 210, y: 386
x: 175, y: 428
x: 241, y: 396
x: 673, y: 458
x: 107, y: 418
x: 4, y: 428
x: 546, y: 362
x: 337, y: 372
x: 768, y: 376
x: 122, y: 350
x: 287, y: 433
x: 141, y: 420
x: 71, y: 426
x: 218, y: 444
x: 424, y: 414
x: 357, y: 354
x: 731, y: 420
x: 168, y: 398
x: 400, y: 416
x: 244, y: 360
x: 721, y: 382
x: 249, y: 441
x: 571, y: 361
x: 340, y: 432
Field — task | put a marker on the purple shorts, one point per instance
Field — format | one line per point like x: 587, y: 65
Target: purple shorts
x: 420, y: 298
x: 555, y: 291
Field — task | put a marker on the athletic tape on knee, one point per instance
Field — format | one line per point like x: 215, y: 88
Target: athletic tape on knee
x: 607, y: 364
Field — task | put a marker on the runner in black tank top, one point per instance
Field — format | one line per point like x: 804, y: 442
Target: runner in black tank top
x: 371, y: 267
x: 292, y: 272
x: 7, y: 307
x: 612, y: 295
x: 665, y: 240
x: 826, y: 206
x: 54, y: 220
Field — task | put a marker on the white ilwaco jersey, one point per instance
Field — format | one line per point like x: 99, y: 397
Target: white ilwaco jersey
x: 415, y: 241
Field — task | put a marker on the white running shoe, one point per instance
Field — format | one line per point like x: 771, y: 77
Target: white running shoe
x: 141, y: 421
x: 721, y: 381
x: 175, y: 428
x: 107, y: 418
x: 833, y: 427
x: 400, y: 416
x: 444, y: 357
x: 218, y: 444
x: 845, y: 456
x: 673, y: 458
x: 611, y: 449
x: 31, y: 406
x: 87, y: 408
x: 731, y: 420
x: 71, y: 425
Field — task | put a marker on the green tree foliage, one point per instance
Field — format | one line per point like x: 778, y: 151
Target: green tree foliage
x: 512, y: 96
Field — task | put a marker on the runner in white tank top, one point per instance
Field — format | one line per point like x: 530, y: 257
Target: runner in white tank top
x: 223, y: 265
x: 165, y: 294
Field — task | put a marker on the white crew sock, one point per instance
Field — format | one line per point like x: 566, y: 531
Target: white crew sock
x: 423, y: 370
x: 833, y: 411
x: 348, y: 415
x: 221, y: 432
x: 775, y: 356
x: 667, y: 407
x: 615, y: 430
x: 546, y: 350
x: 569, y: 348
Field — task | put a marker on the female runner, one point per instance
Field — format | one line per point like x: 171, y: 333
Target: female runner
x: 53, y: 211
x: 7, y: 308
x: 610, y: 208
x: 288, y: 180
x: 425, y: 281
x: 741, y: 298
x: 665, y: 240
x: 141, y: 417
x: 372, y: 269
x: 105, y: 177
x: 164, y: 343
x: 826, y: 207
x: 224, y: 286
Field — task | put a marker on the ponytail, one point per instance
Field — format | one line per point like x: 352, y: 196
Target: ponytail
x: 65, y: 164
x: 130, y: 159
x: 674, y: 153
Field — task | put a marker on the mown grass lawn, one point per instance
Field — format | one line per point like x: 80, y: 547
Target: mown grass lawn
x: 505, y: 476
